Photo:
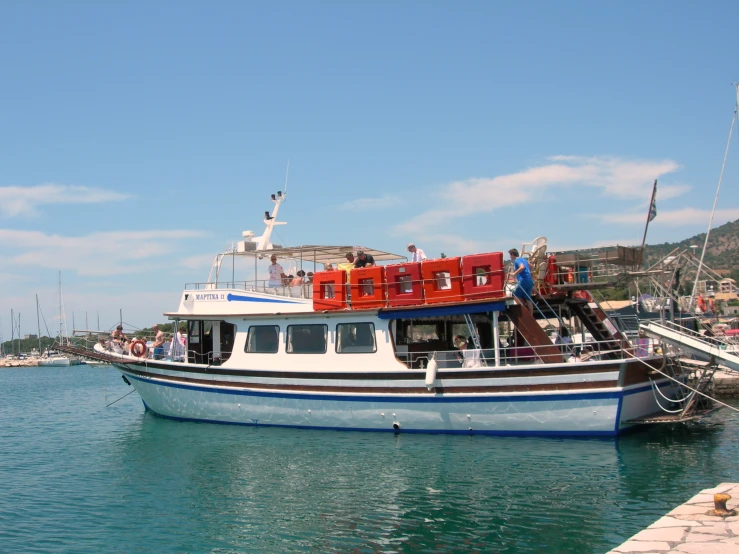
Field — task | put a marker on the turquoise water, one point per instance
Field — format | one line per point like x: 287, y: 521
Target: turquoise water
x: 76, y: 476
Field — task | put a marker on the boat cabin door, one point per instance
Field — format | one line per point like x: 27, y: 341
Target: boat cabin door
x: 199, y: 341
x: 210, y: 342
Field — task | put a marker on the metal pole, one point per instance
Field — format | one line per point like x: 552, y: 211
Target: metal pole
x: 715, y: 200
x: 38, y: 325
x: 496, y: 339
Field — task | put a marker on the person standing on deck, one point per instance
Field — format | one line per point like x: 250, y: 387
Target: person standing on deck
x: 276, y: 273
x: 364, y: 260
x: 522, y: 272
x: 158, y: 344
x: 417, y: 255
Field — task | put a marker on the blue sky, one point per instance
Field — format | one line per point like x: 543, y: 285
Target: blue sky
x: 140, y: 138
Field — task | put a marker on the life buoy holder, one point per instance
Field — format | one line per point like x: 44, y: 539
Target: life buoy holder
x: 139, y: 349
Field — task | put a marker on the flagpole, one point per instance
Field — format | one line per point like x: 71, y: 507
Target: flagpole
x: 652, y: 210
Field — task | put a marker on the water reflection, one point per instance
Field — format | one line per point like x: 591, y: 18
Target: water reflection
x: 118, y: 476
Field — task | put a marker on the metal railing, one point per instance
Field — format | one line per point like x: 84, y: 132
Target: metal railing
x: 526, y: 355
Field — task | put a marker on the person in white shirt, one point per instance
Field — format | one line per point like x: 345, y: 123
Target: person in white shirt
x: 276, y: 273
x: 470, y: 357
x: 418, y: 255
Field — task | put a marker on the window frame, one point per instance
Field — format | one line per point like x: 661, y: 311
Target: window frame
x: 289, y: 344
x: 374, y: 338
x: 248, y: 336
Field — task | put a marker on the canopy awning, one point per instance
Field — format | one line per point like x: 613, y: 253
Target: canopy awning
x: 319, y: 254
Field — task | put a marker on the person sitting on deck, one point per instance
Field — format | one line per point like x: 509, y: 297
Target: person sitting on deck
x: 299, y: 280
x: 117, y: 337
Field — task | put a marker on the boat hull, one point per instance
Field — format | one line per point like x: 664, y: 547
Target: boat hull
x: 598, y: 412
x: 59, y: 361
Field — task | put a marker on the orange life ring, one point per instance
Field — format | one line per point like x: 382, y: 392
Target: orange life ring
x: 702, y: 303
x: 139, y: 348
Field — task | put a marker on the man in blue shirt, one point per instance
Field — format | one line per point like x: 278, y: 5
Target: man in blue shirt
x: 522, y: 272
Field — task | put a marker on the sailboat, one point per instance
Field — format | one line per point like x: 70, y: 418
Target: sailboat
x: 55, y: 358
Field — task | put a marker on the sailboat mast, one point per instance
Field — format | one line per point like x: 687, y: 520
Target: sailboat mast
x: 715, y: 200
x: 38, y: 326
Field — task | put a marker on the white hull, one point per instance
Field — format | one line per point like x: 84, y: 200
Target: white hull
x: 599, y: 412
x: 58, y: 361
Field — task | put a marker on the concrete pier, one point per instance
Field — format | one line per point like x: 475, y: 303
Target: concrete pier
x: 726, y: 383
x: 691, y: 528
x: 31, y: 362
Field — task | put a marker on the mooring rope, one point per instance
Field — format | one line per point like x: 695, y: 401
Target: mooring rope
x: 121, y: 398
x: 683, y: 384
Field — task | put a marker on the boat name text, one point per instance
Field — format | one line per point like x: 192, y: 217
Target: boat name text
x: 210, y: 296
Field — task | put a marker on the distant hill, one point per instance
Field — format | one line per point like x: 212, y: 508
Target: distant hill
x: 722, y: 254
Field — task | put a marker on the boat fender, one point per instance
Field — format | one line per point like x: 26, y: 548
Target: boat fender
x: 126, y: 380
x: 431, y: 372
x: 139, y: 349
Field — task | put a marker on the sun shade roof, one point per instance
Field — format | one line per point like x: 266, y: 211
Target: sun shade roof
x: 321, y: 254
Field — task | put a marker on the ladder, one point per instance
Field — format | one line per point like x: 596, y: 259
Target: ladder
x: 596, y: 326
x: 475, y: 337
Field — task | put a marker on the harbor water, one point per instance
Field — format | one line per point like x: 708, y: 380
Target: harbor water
x: 77, y: 476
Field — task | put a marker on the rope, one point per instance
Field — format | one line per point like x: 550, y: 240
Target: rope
x: 661, y: 407
x: 121, y: 398
x: 684, y: 385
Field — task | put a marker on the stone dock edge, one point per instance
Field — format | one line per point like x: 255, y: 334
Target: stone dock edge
x: 691, y: 528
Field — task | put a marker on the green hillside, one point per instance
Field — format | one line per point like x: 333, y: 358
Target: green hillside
x: 722, y: 254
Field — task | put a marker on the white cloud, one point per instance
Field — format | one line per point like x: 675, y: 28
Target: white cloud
x: 676, y: 218
x: 106, y: 253
x: 370, y: 203
x: 197, y: 262
x: 623, y: 179
x: 17, y: 201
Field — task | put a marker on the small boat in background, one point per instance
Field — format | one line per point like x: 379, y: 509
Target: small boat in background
x: 52, y: 358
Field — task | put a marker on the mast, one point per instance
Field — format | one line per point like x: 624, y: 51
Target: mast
x: 38, y: 327
x: 61, y: 310
x: 715, y: 200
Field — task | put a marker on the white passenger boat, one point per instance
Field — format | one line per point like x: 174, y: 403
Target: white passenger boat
x: 373, y: 349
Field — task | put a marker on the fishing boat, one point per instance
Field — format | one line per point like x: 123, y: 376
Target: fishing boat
x: 439, y: 346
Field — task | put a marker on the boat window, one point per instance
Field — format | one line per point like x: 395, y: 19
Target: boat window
x: 355, y: 337
x: 307, y: 339
x: 421, y: 332
x: 263, y: 339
